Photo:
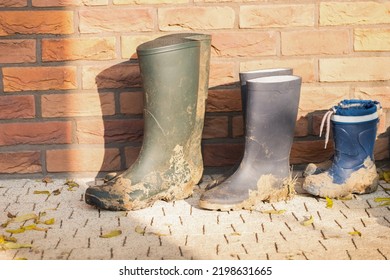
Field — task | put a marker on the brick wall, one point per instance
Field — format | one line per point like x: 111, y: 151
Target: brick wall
x: 71, y: 96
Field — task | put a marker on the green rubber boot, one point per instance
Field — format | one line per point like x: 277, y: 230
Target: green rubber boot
x: 170, y: 161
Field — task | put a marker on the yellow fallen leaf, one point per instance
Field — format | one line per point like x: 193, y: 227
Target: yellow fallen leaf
x: 276, y: 212
x: 386, y: 176
x: 235, y: 233
x: 23, y: 218
x: 3, y: 239
x: 50, y: 221
x: 21, y: 259
x: 381, y: 199
x: 12, y: 245
x: 42, y: 192
x: 111, y: 234
x: 158, y: 234
x: 71, y: 184
x: 329, y: 202
x: 16, y: 231
x: 34, y: 227
x: 308, y: 222
x: 355, y: 233
x: 139, y: 230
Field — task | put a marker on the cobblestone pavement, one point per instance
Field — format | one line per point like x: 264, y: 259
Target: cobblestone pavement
x: 352, y: 229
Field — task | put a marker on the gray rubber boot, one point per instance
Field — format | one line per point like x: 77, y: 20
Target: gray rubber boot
x: 264, y: 173
x: 244, y: 77
x: 169, y: 162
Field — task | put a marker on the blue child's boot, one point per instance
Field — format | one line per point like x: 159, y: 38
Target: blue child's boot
x: 354, y: 126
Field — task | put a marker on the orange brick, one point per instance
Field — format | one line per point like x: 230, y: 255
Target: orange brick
x: 224, y: 100
x: 15, y: 107
x: 148, y: 2
x: 67, y: 3
x: 222, y: 73
x: 306, y: 68
x: 35, y: 133
x: 78, y: 49
x: 238, y: 44
x: 277, y: 15
x: 117, y: 76
x: 372, y: 39
x: 36, y: 22
x: 13, y: 3
x: 39, y: 78
x: 109, y: 131
x: 132, y: 103
x: 192, y: 18
x: 315, y: 42
x: 350, y: 69
x: 71, y: 105
x: 20, y: 162
x: 321, y: 97
x: 123, y: 20
x: 215, y: 127
x: 83, y: 160
x: 378, y: 93
x: 17, y: 51
x: 355, y: 12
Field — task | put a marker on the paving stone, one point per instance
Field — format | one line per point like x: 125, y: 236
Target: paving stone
x: 181, y: 230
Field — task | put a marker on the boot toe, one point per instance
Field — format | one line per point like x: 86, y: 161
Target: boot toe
x: 103, y: 198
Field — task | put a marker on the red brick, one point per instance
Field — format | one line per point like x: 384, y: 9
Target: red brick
x: 39, y: 78
x: 83, y: 160
x: 222, y: 154
x: 215, y: 127
x: 78, y: 49
x: 20, y: 162
x: 123, y: 20
x: 132, y: 103
x: 35, y: 133
x: 131, y: 154
x: 310, y: 151
x: 14, y: 107
x: 36, y: 22
x: 117, y: 76
x: 224, y: 100
x: 301, y: 127
x: 17, y: 51
x: 71, y: 105
x: 238, y: 126
x: 13, y: 3
x: 381, y: 148
x: 109, y: 131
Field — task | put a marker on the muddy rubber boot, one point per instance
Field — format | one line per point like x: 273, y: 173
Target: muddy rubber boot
x: 204, y: 70
x: 169, y: 162
x: 264, y: 173
x: 244, y: 77
x: 352, y: 171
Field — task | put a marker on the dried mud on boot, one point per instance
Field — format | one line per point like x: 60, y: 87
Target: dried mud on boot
x: 364, y: 180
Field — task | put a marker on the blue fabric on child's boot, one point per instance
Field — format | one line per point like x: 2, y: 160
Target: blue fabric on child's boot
x: 354, y: 126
